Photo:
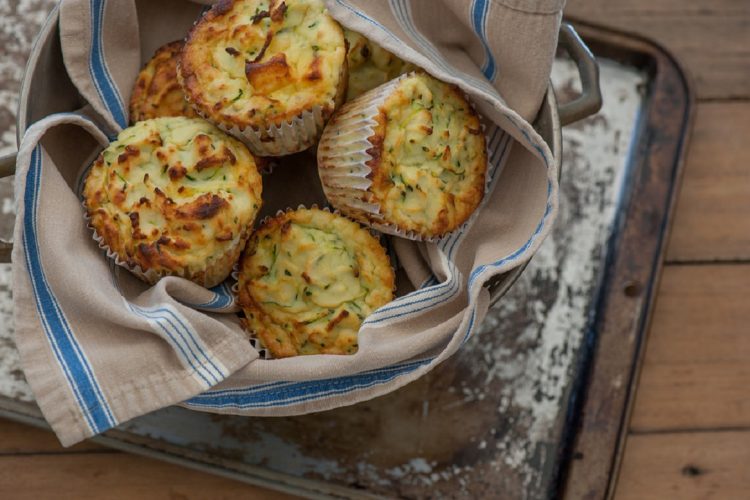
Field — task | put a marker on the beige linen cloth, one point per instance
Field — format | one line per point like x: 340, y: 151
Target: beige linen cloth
x: 100, y: 347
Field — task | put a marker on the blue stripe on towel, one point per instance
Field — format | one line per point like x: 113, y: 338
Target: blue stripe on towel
x: 431, y: 280
x: 71, y: 359
x: 479, y: 270
x: 453, y: 287
x: 181, y: 345
x: 402, y: 11
x: 479, y: 11
x: 223, y: 298
x: 193, y: 339
x: 520, y: 126
x: 279, y: 394
x: 300, y: 392
x: 281, y: 386
x: 100, y: 75
x: 200, y: 364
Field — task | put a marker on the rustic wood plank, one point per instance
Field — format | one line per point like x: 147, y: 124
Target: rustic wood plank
x: 711, y: 217
x: 19, y: 438
x: 686, y: 466
x: 709, y: 36
x: 695, y: 373
x: 116, y: 475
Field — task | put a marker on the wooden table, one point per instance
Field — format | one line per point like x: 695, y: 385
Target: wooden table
x: 690, y: 430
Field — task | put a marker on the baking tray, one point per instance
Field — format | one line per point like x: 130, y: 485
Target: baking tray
x: 533, y: 406
x: 600, y: 408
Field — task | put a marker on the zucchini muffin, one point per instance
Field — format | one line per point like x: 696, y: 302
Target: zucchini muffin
x: 157, y: 92
x: 408, y: 158
x: 370, y: 65
x: 270, y: 72
x: 174, y: 196
x: 307, y: 281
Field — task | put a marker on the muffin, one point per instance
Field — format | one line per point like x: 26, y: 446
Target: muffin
x: 157, y: 92
x: 308, y: 279
x: 408, y: 158
x: 173, y: 197
x: 370, y: 65
x: 270, y: 72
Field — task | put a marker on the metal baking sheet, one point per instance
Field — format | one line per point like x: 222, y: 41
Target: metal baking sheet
x: 489, y: 422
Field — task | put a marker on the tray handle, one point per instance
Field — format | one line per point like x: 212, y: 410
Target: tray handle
x: 7, y: 168
x: 7, y: 165
x: 590, y: 100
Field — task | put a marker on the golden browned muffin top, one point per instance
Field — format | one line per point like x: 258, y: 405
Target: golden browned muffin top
x: 307, y: 281
x: 263, y: 62
x: 370, y: 65
x: 157, y: 92
x: 429, y: 157
x: 174, y: 195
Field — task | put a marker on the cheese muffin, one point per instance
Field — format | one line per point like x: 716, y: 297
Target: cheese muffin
x: 370, y: 65
x: 174, y: 197
x: 157, y: 92
x: 421, y: 171
x: 307, y: 281
x: 270, y: 72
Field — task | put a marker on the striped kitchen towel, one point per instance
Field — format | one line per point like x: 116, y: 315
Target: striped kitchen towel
x: 100, y: 347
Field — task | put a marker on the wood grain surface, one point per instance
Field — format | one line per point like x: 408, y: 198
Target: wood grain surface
x: 686, y: 466
x: 690, y: 431
x: 711, y: 37
x: 696, y: 373
x: 711, y: 221
x: 690, y: 428
x: 113, y: 475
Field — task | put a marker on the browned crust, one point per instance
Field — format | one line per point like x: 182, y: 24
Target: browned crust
x: 280, y: 223
x: 381, y: 181
x: 187, y: 73
x: 263, y: 75
x: 162, y: 251
x: 159, y: 94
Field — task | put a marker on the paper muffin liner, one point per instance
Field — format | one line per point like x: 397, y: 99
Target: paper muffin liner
x: 298, y: 134
x: 342, y: 163
x: 255, y: 341
x: 213, y: 274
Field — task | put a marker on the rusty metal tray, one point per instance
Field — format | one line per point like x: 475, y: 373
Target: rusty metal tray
x: 533, y: 406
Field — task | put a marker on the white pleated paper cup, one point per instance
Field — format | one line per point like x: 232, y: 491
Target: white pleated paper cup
x: 343, y: 154
x: 298, y: 134
x: 344, y: 151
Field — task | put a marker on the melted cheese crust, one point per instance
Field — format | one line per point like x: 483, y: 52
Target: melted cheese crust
x: 429, y: 157
x: 307, y: 281
x: 175, y: 195
x: 262, y: 62
x: 370, y: 65
x: 157, y: 92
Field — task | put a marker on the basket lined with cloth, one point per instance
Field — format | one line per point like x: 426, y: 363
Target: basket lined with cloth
x: 100, y: 347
